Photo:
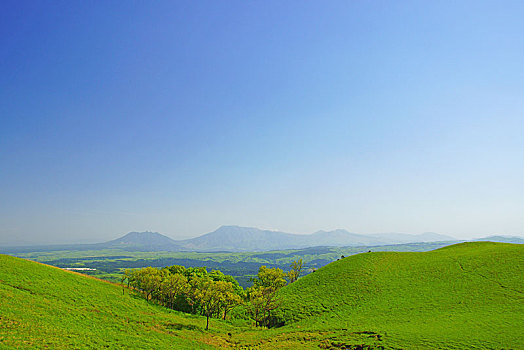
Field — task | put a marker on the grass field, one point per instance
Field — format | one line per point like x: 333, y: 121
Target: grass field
x: 464, y: 296
x: 45, y: 307
x: 467, y: 296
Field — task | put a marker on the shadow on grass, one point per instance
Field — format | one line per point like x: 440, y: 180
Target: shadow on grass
x: 180, y: 326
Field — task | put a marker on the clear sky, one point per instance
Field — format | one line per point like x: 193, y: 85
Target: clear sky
x: 181, y: 116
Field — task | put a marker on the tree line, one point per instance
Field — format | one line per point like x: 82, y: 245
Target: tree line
x: 211, y: 294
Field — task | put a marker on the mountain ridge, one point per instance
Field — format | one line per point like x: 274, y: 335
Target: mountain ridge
x: 232, y: 238
x: 238, y: 238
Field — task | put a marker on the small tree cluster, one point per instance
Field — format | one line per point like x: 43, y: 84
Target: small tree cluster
x: 188, y: 289
x: 212, y: 294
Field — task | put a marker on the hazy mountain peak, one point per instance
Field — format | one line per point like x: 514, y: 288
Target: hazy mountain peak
x: 151, y: 240
x: 234, y: 228
x: 131, y: 236
x: 335, y: 231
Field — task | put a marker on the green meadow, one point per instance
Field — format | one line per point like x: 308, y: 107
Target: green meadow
x: 45, y: 307
x: 466, y: 296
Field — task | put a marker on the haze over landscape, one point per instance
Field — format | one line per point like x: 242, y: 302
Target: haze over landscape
x: 181, y: 117
x: 262, y: 175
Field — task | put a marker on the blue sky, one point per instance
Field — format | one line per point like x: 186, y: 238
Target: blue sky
x: 179, y: 117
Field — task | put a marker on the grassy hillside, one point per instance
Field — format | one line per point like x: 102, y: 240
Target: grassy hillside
x: 45, y: 307
x: 468, y: 295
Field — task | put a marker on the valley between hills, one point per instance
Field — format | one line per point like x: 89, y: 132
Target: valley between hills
x: 467, y: 295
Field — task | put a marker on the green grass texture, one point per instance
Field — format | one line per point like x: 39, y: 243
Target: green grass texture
x: 45, y: 307
x: 465, y: 296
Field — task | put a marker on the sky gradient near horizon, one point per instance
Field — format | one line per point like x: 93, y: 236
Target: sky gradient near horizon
x: 180, y: 117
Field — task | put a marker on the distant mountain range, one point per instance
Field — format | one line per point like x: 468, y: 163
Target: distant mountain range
x: 235, y: 238
x: 502, y: 239
x: 238, y: 239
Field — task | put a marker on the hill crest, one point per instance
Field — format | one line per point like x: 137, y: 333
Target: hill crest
x: 459, y: 294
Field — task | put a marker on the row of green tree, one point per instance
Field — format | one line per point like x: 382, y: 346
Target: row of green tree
x: 211, y: 294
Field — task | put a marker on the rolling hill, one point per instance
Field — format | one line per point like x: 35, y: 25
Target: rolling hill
x: 465, y: 296
x: 46, y: 307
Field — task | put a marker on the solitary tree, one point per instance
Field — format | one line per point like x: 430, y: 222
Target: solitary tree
x: 263, y: 295
x: 256, y: 305
x: 296, y: 268
x: 273, y: 278
x: 126, y: 277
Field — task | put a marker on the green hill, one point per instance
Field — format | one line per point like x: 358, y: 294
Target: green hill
x: 45, y: 307
x: 465, y: 296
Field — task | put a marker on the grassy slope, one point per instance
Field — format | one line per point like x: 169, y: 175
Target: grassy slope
x: 42, y: 306
x: 468, y: 295
x: 464, y: 296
